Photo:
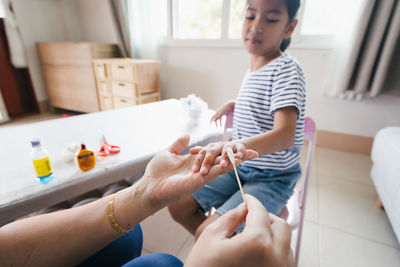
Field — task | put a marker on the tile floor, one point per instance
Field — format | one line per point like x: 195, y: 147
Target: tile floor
x: 343, y: 226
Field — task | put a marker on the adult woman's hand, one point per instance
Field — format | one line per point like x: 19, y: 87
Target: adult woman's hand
x: 265, y: 240
x: 169, y: 175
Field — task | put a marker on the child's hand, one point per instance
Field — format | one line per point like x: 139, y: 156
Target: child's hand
x: 207, y: 155
x: 223, y: 110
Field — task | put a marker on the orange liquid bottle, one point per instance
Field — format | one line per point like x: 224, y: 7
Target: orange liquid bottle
x: 86, y: 158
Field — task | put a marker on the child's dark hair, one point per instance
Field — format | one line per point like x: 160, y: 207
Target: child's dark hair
x: 292, y: 7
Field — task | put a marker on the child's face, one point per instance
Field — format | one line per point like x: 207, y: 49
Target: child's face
x: 265, y: 25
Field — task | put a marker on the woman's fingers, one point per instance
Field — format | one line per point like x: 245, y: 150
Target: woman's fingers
x: 195, y: 150
x: 281, y: 232
x: 258, y: 219
x: 227, y: 224
x: 179, y: 144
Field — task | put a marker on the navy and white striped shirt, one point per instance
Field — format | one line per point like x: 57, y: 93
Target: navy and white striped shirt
x: 278, y: 84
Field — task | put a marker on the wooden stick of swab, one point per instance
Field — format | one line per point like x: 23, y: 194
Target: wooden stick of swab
x: 232, y: 159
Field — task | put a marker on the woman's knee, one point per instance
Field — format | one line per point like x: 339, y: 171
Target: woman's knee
x: 183, y: 208
x: 158, y: 259
x: 204, y: 225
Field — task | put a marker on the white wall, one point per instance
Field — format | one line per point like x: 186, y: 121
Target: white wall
x: 58, y: 21
x: 43, y: 21
x: 96, y: 21
x: 215, y: 75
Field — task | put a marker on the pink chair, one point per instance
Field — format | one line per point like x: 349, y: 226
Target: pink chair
x: 228, y: 125
x: 295, y: 208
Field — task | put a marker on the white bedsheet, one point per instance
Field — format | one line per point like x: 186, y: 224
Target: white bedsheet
x: 385, y: 172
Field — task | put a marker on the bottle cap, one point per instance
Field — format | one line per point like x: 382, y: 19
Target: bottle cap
x: 35, y: 142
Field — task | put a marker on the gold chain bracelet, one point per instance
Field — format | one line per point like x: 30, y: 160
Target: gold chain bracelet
x: 111, y: 217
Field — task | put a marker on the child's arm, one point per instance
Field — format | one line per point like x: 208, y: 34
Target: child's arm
x: 223, y: 110
x: 281, y: 137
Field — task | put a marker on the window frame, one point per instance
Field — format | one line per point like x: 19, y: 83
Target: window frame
x: 301, y: 41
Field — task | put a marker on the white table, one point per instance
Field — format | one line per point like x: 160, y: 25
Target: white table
x: 140, y: 131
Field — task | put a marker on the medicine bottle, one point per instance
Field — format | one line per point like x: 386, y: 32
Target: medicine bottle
x: 86, y: 158
x: 41, y: 161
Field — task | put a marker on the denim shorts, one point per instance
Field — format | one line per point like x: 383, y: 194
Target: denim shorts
x: 272, y: 188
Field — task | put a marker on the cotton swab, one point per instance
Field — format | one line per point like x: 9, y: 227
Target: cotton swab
x: 232, y: 159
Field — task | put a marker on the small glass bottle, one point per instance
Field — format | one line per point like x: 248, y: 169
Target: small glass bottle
x: 41, y: 161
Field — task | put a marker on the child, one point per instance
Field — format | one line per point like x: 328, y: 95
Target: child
x: 268, y: 118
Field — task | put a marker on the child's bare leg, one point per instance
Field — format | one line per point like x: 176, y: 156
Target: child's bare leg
x: 205, y: 223
x: 186, y: 212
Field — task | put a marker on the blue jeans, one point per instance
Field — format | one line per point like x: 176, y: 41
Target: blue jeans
x: 272, y: 188
x: 126, y: 250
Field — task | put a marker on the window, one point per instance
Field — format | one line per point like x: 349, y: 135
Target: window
x: 215, y: 20
x: 197, y: 19
x: 220, y: 21
x: 324, y: 17
x: 321, y: 21
x: 235, y: 18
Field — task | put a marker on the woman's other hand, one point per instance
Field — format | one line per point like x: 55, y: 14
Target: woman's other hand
x: 265, y: 240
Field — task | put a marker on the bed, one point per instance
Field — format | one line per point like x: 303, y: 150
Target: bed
x: 385, y: 173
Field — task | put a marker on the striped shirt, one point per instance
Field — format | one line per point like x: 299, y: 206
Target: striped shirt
x: 278, y: 84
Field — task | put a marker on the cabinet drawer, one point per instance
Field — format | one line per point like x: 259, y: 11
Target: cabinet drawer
x: 122, y: 102
x: 106, y: 102
x: 123, y: 89
x: 149, y: 98
x: 123, y: 72
x: 103, y: 88
x: 100, y: 70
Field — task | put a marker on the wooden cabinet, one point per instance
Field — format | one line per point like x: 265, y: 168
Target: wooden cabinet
x: 68, y: 72
x: 126, y: 82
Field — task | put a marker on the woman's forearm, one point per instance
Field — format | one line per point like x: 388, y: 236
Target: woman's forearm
x: 68, y: 237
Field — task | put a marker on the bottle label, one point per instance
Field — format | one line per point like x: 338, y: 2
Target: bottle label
x: 43, y: 167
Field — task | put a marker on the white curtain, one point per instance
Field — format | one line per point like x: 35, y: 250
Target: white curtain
x: 147, y: 26
x: 15, y: 44
x: 120, y: 13
x: 364, y: 45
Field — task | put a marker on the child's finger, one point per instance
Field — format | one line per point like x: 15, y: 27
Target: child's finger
x: 207, y: 163
x: 240, y: 150
x: 250, y: 154
x: 225, y: 158
x: 198, y: 160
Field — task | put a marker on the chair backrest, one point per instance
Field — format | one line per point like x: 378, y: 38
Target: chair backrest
x: 310, y: 135
x: 300, y: 197
x: 295, y: 209
x: 228, y: 124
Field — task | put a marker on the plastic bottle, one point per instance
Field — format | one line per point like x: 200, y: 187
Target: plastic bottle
x: 41, y: 161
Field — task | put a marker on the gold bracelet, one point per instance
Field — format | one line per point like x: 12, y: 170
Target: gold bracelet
x: 111, y: 217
